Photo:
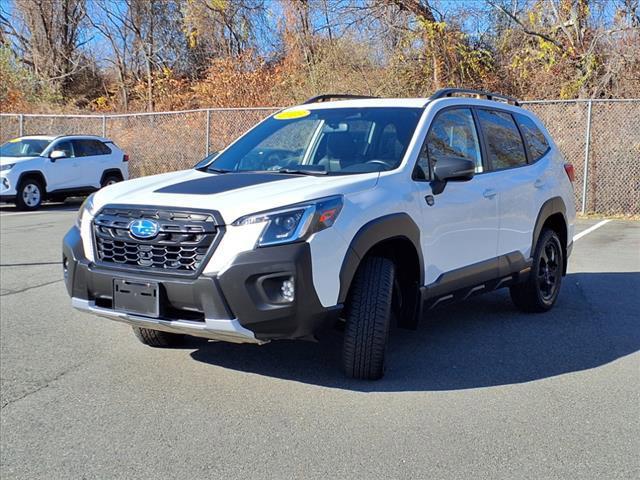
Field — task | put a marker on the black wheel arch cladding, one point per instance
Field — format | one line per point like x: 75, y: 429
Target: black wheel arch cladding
x: 111, y: 172
x: 381, y: 229
x: 553, y: 207
x: 38, y: 175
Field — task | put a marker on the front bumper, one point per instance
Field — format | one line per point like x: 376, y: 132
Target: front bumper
x: 237, y: 305
x: 215, y: 329
x: 7, y: 189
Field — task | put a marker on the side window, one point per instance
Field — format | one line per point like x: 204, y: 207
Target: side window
x: 504, y: 143
x: 80, y: 147
x: 536, y: 141
x: 102, y: 148
x: 87, y: 148
x: 452, y: 133
x: 65, y: 146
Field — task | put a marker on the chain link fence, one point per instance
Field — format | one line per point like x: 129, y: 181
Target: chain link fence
x: 601, y: 138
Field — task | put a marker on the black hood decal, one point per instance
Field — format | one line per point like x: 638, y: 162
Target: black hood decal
x: 222, y: 183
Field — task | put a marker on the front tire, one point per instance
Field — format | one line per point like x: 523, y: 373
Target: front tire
x: 156, y: 338
x: 368, y: 316
x: 539, y: 292
x: 30, y: 194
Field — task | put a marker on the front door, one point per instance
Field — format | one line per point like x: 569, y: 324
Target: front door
x: 62, y: 173
x: 460, y: 223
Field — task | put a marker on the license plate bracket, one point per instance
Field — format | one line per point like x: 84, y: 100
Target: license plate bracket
x: 141, y: 298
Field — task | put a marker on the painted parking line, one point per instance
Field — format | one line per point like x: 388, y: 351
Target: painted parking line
x: 590, y: 229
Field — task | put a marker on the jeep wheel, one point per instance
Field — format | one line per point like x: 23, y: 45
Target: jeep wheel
x: 156, y: 338
x: 30, y: 194
x: 540, y: 291
x: 368, y: 315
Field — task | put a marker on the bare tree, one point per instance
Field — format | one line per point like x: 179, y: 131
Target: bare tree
x: 112, y: 25
x: 49, y: 35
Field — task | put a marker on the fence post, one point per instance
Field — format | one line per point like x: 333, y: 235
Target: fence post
x: 207, y: 134
x: 587, y: 144
x: 104, y: 126
x: 20, y: 125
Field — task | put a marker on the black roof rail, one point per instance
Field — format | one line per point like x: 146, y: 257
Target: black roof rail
x: 450, y: 92
x: 338, y: 96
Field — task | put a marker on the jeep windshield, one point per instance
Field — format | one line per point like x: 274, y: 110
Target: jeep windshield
x: 29, y: 147
x: 334, y: 141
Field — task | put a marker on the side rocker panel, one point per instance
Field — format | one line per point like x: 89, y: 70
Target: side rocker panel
x: 388, y: 227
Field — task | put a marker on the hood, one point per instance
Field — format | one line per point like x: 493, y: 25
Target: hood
x: 9, y: 160
x: 231, y: 194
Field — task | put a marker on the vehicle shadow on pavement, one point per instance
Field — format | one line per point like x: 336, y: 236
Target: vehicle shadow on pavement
x: 479, y: 343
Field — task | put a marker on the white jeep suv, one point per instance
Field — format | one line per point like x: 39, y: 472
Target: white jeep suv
x: 40, y: 167
x: 355, y: 212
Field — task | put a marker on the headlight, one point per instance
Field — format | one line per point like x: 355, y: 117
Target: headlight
x: 296, y: 222
x: 6, y: 166
x: 86, y: 207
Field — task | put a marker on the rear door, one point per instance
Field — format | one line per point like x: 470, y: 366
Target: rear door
x: 513, y: 178
x: 460, y: 224
x: 95, y: 158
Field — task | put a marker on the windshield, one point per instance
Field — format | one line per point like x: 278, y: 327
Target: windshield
x: 23, y: 148
x: 329, y: 141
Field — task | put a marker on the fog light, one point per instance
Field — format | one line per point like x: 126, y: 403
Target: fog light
x: 65, y: 266
x: 5, y: 183
x: 288, y: 290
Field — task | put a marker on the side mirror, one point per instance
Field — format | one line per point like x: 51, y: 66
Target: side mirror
x: 451, y: 169
x: 57, y: 155
x: 206, y: 160
x: 454, y: 169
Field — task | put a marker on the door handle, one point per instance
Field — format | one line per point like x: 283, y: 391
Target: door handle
x: 539, y: 183
x: 489, y: 193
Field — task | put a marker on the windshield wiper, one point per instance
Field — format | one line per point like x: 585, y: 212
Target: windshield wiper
x: 217, y: 170
x: 301, y: 171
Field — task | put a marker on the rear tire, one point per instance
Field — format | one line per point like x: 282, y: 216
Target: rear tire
x: 368, y: 316
x: 30, y: 194
x: 539, y: 292
x: 110, y: 180
x: 156, y: 338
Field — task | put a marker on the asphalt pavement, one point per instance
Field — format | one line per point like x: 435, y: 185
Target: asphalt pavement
x: 478, y: 391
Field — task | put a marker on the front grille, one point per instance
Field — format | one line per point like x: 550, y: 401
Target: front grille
x: 184, y: 240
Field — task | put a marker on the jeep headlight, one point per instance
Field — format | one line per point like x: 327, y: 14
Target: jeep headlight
x: 6, y: 167
x: 294, y: 223
x: 86, y: 207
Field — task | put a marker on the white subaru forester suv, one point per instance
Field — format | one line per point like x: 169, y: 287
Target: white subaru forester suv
x: 40, y: 167
x: 352, y: 212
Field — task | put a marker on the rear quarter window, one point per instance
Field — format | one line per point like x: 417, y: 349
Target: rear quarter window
x: 536, y: 142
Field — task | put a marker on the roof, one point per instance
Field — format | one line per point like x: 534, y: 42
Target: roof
x: 54, y: 137
x: 368, y: 102
x: 408, y: 103
x: 347, y: 100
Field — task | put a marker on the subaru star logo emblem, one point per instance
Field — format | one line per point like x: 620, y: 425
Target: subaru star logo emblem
x: 144, y: 228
